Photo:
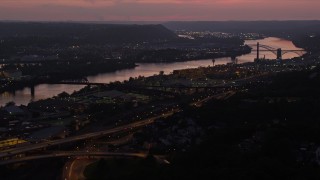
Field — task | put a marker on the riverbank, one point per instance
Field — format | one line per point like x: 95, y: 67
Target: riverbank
x: 44, y: 91
x: 53, y: 73
x: 80, y: 73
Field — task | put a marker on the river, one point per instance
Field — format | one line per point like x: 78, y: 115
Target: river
x: 44, y: 91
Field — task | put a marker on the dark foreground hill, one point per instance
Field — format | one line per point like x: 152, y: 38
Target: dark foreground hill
x: 86, y: 33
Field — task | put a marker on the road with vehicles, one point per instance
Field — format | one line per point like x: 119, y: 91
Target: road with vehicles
x: 71, y: 154
x: 43, y: 145
x: 136, y: 124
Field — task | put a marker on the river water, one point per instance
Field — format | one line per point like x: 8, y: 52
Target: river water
x: 44, y: 91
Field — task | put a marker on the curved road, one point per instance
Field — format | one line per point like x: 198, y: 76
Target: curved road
x: 23, y: 149
x: 72, y: 153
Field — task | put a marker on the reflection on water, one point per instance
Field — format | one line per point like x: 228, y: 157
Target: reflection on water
x: 42, y: 91
x: 146, y: 69
x: 149, y: 69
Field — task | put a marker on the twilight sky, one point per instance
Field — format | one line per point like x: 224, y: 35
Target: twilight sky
x: 158, y: 10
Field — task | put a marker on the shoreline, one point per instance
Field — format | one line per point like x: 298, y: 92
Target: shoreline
x: 125, y: 72
x: 22, y: 85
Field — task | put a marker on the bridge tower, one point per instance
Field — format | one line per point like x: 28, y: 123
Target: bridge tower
x: 279, y: 54
x: 258, y: 49
x: 234, y: 59
x: 32, y: 91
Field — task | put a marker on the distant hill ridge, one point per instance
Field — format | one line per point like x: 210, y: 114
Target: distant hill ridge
x: 269, y: 27
x: 103, y: 33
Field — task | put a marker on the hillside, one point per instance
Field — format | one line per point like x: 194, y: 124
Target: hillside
x: 85, y: 33
x: 268, y: 27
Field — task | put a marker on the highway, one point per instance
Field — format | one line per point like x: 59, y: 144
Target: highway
x: 228, y: 94
x: 72, y: 154
x: 137, y: 124
x: 224, y: 95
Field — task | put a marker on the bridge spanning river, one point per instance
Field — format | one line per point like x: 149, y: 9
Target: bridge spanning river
x: 279, y: 52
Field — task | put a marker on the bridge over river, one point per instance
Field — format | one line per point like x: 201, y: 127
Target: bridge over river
x: 279, y: 52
